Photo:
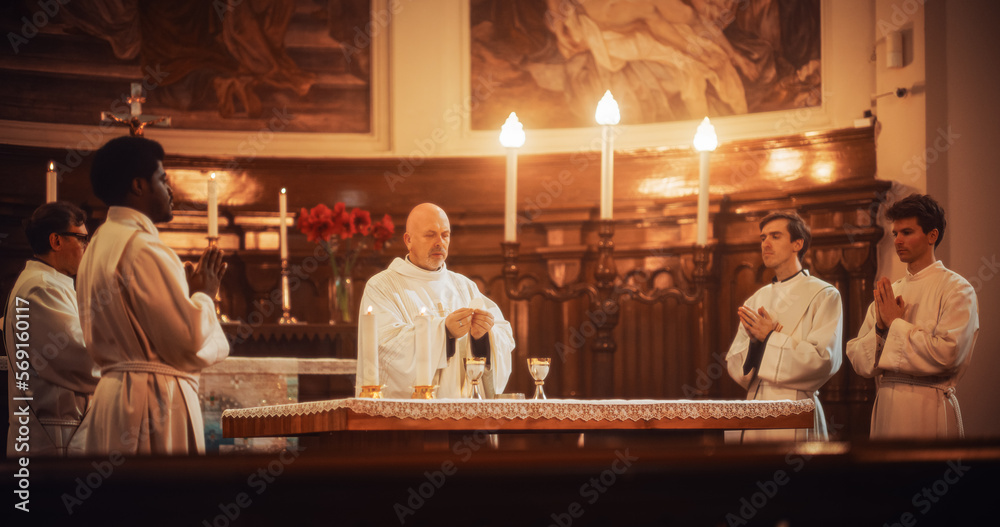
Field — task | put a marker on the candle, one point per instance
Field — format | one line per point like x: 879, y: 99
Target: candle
x: 607, y: 115
x: 422, y: 348
x: 368, y: 344
x: 282, y: 227
x: 51, y: 183
x: 705, y: 141
x: 213, y: 208
x: 511, y: 137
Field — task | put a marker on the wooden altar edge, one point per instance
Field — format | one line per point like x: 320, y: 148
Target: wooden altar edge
x: 347, y: 420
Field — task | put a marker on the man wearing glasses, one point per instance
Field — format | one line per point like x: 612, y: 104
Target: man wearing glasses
x: 49, y: 370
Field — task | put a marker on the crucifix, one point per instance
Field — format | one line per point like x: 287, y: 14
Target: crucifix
x: 135, y: 120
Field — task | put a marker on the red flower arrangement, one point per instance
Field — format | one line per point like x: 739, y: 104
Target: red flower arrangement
x: 343, y: 236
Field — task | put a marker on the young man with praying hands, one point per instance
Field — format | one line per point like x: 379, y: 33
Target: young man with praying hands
x: 789, y: 340
x: 148, y: 321
x: 462, y: 321
x: 918, y: 335
x: 50, y: 371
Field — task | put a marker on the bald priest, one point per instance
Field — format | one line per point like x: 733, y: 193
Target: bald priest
x: 463, y: 322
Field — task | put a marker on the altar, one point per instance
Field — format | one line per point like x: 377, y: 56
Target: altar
x: 346, y: 416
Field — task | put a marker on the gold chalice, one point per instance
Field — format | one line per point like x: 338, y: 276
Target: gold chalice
x: 474, y: 369
x: 539, y: 369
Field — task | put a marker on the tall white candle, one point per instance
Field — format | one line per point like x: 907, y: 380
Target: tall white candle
x: 51, y: 184
x: 422, y: 348
x: 705, y: 141
x: 607, y: 115
x: 702, y: 235
x: 368, y: 344
x: 607, y: 173
x: 510, y: 208
x: 511, y: 137
x: 282, y: 227
x: 213, y: 207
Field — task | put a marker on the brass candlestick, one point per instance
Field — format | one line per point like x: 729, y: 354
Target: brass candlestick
x: 286, y: 296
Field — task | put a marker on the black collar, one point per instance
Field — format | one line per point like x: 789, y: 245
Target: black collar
x: 803, y: 271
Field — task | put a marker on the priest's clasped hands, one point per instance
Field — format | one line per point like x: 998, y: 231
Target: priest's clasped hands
x: 888, y: 306
x: 478, y: 322
x: 206, y: 277
x: 758, y: 324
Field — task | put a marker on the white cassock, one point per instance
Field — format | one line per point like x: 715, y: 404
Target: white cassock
x: 60, y: 374
x: 800, y: 359
x: 924, y: 355
x: 396, y: 296
x: 149, y: 336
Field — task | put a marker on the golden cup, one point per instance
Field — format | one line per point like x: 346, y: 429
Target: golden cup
x: 539, y: 369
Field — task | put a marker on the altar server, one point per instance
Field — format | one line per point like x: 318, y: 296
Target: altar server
x: 918, y: 335
x: 149, y: 325
x: 462, y: 321
x: 789, y: 340
x: 50, y: 376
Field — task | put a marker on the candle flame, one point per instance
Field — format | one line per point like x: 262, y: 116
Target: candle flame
x: 369, y: 310
x: 705, y: 139
x: 52, y: 166
x: 282, y: 190
x: 607, y: 110
x: 423, y: 310
x: 213, y: 175
x: 512, y: 132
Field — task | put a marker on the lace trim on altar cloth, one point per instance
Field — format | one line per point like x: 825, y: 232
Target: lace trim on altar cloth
x: 607, y: 410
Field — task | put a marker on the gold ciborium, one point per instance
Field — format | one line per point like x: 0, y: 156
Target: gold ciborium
x: 474, y: 369
x: 539, y: 369
x: 424, y: 392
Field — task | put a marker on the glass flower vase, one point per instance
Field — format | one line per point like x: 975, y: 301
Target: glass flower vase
x: 340, y: 295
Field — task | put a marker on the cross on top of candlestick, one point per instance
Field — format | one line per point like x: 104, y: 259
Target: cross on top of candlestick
x: 135, y: 120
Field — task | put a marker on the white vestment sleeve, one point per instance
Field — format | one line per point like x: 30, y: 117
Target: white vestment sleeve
x: 55, y: 319
x: 934, y: 347
x: 738, y: 355
x: 861, y: 349
x: 182, y: 328
x: 808, y: 363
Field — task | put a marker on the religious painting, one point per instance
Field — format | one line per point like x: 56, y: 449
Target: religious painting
x: 279, y: 65
x: 663, y: 60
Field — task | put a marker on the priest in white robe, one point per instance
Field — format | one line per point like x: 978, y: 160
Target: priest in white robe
x: 49, y: 370
x: 789, y: 341
x: 463, y: 322
x: 918, y: 334
x: 149, y: 325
